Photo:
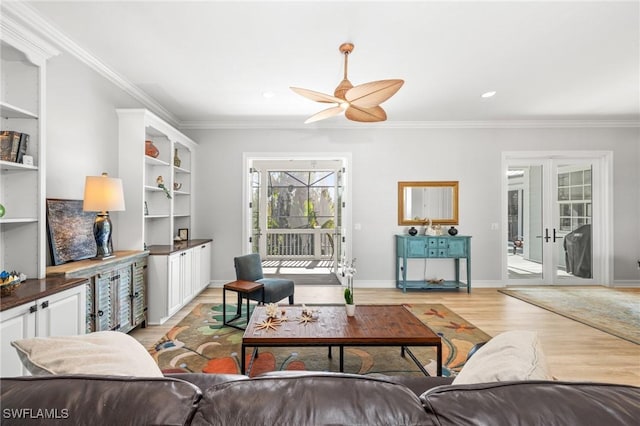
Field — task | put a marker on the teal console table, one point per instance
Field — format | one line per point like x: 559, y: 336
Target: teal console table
x: 432, y: 247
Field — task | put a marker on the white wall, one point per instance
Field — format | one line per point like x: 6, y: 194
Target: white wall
x: 82, y: 127
x: 383, y: 157
x: 82, y: 140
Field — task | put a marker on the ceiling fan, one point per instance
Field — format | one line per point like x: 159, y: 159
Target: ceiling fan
x: 359, y: 103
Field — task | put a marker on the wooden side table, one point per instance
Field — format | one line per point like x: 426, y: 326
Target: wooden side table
x: 240, y: 287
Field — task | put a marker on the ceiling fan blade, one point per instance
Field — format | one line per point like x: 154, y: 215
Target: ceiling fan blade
x: 316, y: 96
x: 326, y: 113
x: 371, y: 94
x: 367, y: 115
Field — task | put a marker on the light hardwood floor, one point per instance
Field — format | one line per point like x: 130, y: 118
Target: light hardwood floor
x: 574, y: 351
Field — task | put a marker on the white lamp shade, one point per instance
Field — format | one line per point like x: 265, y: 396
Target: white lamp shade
x: 103, y: 193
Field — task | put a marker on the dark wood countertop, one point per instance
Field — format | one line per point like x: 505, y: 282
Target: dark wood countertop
x: 31, y: 290
x: 178, y: 246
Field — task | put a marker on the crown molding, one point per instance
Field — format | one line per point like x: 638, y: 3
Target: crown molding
x: 35, y: 22
x: 36, y: 49
x: 506, y: 124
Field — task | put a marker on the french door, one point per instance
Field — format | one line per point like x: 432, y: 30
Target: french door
x: 297, y: 212
x: 555, y: 217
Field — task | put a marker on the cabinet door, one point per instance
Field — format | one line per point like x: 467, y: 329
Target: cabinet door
x: 197, y: 269
x: 416, y: 247
x: 62, y: 314
x: 15, y: 323
x: 457, y: 247
x: 122, y: 283
x: 138, y: 294
x: 187, y: 284
x: 91, y: 307
x: 205, y: 265
x: 174, y: 290
x: 102, y: 301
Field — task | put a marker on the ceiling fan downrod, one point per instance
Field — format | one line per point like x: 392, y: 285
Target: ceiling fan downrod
x: 345, y: 84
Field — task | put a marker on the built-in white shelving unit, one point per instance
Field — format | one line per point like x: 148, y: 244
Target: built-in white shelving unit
x: 22, y: 187
x: 151, y: 217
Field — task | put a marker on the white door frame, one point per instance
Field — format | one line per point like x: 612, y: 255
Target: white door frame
x: 248, y: 159
x: 602, y: 208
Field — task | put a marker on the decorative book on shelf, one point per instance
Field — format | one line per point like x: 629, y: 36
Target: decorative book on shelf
x: 13, y: 145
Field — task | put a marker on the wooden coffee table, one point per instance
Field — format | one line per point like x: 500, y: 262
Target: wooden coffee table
x: 372, y: 325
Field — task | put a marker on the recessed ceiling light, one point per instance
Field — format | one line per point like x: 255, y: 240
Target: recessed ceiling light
x: 268, y: 94
x: 488, y: 94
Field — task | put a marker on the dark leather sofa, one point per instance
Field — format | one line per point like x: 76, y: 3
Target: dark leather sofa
x: 310, y: 398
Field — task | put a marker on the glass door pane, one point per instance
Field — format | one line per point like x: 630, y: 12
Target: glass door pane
x: 525, y: 238
x: 255, y: 211
x: 572, y: 230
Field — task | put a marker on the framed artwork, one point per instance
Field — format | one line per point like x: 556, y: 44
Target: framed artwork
x: 183, y: 233
x: 70, y: 231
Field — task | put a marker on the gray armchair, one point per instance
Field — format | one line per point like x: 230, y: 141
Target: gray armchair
x: 249, y: 268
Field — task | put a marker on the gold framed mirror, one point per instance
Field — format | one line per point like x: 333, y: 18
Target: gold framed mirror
x: 420, y: 201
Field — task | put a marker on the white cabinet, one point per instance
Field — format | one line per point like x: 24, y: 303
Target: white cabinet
x: 153, y: 215
x: 175, y: 277
x: 201, y: 266
x: 179, y: 285
x: 22, y: 187
x: 59, y: 314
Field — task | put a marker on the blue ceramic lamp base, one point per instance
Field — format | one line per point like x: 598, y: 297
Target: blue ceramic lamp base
x: 102, y: 233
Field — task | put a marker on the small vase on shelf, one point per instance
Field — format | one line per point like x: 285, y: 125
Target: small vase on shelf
x: 176, y: 159
x: 150, y: 149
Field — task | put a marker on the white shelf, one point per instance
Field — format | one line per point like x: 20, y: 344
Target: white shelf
x: 181, y: 170
x: 19, y: 220
x: 155, y: 161
x: 12, y: 111
x: 153, y: 188
x: 156, y: 216
x: 10, y: 165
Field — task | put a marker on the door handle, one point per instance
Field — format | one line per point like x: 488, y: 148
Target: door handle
x: 556, y: 237
x: 546, y: 235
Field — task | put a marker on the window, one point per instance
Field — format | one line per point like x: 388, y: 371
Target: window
x: 574, y: 199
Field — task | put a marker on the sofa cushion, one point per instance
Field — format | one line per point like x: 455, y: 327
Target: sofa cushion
x: 545, y: 403
x: 97, y: 400
x: 205, y: 380
x: 102, y: 352
x: 512, y: 355
x: 310, y: 399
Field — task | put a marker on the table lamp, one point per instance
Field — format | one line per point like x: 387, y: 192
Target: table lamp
x: 103, y: 194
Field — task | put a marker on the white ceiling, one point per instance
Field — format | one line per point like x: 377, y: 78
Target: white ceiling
x: 207, y: 63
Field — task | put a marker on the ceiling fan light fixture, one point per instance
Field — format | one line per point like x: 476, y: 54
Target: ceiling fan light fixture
x: 359, y: 103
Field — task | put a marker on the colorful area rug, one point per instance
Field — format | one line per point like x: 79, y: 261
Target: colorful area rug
x: 199, y: 343
x: 611, y: 311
